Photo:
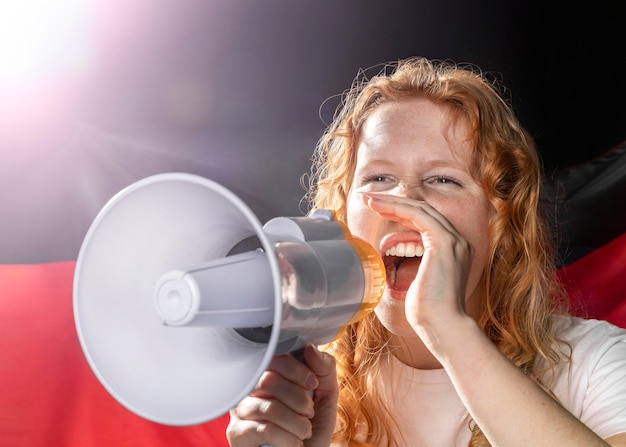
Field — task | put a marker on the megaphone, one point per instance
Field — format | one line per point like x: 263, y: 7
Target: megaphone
x: 181, y: 297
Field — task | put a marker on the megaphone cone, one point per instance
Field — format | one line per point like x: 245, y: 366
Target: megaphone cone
x: 182, y: 297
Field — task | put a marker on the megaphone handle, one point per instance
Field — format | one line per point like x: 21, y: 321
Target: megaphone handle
x: 298, y: 354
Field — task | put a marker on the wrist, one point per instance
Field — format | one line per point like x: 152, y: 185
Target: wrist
x: 448, y: 338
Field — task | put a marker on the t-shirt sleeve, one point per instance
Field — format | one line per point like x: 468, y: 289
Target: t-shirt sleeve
x: 601, y: 352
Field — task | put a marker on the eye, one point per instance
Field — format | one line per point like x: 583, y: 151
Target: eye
x: 443, y: 180
x: 376, y: 178
x: 375, y: 182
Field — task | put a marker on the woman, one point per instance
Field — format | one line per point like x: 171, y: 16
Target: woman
x: 470, y: 344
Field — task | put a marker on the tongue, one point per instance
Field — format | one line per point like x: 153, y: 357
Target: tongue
x: 405, y: 273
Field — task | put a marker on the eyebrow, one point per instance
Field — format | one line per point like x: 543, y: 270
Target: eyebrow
x: 429, y: 164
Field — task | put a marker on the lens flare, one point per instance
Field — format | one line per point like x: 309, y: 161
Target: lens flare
x: 40, y: 38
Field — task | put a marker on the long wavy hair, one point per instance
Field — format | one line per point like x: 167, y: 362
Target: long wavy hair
x: 519, y: 278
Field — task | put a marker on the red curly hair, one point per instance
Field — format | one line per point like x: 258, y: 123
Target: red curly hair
x: 520, y: 276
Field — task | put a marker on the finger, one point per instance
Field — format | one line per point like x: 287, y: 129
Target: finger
x: 294, y: 371
x: 326, y: 394
x: 415, y: 213
x: 246, y: 433
x: 323, y: 365
x: 272, y: 385
x: 272, y: 415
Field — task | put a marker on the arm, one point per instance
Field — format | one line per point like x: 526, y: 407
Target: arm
x: 508, y: 406
x: 617, y: 440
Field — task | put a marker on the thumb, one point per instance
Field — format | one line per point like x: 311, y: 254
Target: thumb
x: 323, y: 365
x: 325, y: 396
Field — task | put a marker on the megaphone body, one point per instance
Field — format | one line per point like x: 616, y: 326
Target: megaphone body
x: 182, y: 297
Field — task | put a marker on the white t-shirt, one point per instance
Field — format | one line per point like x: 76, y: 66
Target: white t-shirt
x: 595, y: 393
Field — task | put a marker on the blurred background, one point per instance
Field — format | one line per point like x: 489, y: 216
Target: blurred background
x: 96, y: 94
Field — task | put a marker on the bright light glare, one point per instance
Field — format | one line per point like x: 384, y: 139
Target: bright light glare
x: 40, y: 37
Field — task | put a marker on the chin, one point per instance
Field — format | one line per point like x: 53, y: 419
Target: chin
x: 390, y: 312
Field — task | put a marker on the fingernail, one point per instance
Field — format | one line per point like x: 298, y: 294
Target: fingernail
x: 323, y: 356
x: 314, y: 348
x: 376, y: 196
x: 311, y: 382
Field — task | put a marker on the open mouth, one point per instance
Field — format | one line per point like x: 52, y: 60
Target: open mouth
x: 402, y: 262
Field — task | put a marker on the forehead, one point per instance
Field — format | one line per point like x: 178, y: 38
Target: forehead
x: 414, y: 120
x: 411, y: 124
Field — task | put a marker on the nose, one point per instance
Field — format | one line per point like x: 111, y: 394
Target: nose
x: 410, y: 191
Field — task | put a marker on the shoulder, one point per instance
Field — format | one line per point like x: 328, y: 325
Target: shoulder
x: 591, y: 343
x: 592, y: 385
x: 580, y: 332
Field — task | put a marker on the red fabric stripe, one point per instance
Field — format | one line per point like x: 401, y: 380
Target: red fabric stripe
x: 596, y: 283
x: 49, y: 395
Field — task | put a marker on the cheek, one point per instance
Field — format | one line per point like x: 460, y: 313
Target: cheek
x: 359, y: 216
x: 472, y: 220
x: 475, y: 228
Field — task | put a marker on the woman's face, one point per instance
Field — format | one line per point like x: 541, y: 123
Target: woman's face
x: 411, y: 148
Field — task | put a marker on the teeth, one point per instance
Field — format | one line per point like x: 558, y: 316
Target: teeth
x: 406, y: 250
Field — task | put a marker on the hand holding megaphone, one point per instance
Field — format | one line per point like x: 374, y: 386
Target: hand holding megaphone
x: 181, y: 296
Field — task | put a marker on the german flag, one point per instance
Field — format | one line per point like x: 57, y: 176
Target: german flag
x: 50, y: 396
